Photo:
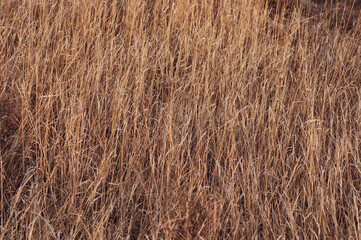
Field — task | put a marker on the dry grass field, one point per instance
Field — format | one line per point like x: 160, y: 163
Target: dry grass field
x: 189, y: 119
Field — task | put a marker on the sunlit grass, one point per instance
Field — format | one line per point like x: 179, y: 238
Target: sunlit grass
x: 192, y: 119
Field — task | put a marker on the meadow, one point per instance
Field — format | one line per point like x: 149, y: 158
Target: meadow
x: 190, y: 119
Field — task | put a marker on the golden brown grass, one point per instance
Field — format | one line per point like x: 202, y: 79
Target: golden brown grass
x: 191, y: 119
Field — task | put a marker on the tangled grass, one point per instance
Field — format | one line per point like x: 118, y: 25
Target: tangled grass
x: 192, y: 119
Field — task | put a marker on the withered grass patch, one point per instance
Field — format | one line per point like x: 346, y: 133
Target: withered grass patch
x: 192, y: 119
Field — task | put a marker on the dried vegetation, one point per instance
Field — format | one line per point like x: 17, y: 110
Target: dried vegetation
x: 192, y: 119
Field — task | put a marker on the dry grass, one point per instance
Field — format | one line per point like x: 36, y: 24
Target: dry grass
x: 203, y: 119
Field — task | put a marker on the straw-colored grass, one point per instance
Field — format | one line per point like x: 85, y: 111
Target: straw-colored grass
x: 190, y: 119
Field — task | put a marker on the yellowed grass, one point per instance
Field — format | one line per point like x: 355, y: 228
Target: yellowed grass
x: 192, y: 119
